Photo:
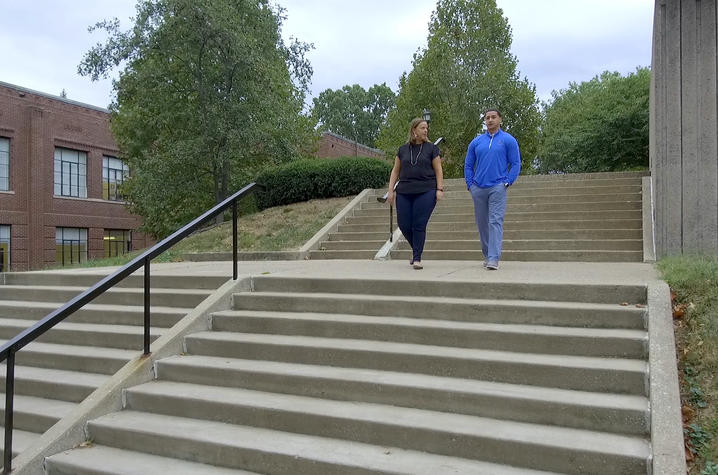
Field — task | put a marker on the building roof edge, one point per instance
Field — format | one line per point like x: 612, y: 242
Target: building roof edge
x: 341, y: 137
x: 50, y: 96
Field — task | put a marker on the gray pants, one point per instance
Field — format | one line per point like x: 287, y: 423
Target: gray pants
x: 489, y: 210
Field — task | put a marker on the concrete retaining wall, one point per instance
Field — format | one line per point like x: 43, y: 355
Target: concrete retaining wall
x: 684, y: 126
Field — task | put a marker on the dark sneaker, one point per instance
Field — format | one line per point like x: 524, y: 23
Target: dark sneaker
x: 492, y: 265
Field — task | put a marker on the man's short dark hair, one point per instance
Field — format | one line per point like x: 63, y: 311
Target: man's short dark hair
x: 493, y: 110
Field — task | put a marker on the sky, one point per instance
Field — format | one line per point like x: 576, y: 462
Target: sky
x: 355, y: 42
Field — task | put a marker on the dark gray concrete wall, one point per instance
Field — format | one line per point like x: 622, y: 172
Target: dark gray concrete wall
x: 684, y: 126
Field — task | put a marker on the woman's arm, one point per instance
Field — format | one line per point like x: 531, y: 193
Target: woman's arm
x: 393, y: 178
x: 439, y: 171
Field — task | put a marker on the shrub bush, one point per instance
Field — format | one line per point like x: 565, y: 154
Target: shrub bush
x: 311, y: 178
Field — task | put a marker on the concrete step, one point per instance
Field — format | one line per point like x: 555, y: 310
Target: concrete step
x: 65, y: 385
x: 369, y: 209
x: 568, y: 189
x: 579, y: 255
x: 75, y: 357
x: 111, y: 461
x: 270, y: 451
x: 622, y: 376
x: 185, y: 298
x: 566, y: 198
x: 351, y: 245
x: 348, y: 254
x: 576, y: 187
x: 620, y: 343
x: 453, y: 435
x: 585, y: 176
x: 533, y: 244
x: 87, y: 334
x: 464, y: 199
x: 377, y: 236
x: 34, y: 414
x: 21, y: 439
x: 605, y: 412
x: 608, y: 179
x: 544, y: 292
x: 514, y: 216
x: 509, y: 225
x: 163, y: 317
x: 593, y: 177
x: 539, y: 234
x: 529, y: 312
x: 77, y: 279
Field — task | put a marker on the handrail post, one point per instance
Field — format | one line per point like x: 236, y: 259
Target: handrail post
x: 147, y: 306
x: 234, y: 240
x: 9, y: 393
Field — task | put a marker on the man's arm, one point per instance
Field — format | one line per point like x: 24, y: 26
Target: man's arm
x: 514, y: 159
x: 469, y: 163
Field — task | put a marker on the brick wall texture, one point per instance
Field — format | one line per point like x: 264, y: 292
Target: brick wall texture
x: 35, y: 124
x: 333, y: 146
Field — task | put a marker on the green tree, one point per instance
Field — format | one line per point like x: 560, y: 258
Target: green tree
x: 597, y: 125
x: 466, y: 68
x: 354, y: 112
x: 208, y: 94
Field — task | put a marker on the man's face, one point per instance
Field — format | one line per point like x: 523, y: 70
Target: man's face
x: 492, y: 120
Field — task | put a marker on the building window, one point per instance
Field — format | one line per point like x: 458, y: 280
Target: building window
x: 114, y: 172
x: 70, y: 245
x: 4, y: 248
x: 4, y: 164
x: 70, y: 173
x: 117, y: 242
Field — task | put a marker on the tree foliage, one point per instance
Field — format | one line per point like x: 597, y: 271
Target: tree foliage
x: 598, y: 125
x: 354, y: 112
x: 208, y: 93
x: 466, y: 68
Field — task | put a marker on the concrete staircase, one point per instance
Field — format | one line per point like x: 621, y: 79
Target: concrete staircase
x: 353, y: 239
x: 70, y: 361
x: 593, y: 217
x: 330, y: 376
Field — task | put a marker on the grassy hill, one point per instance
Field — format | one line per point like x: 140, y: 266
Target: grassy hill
x: 282, y: 228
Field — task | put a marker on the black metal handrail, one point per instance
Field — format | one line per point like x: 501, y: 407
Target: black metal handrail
x: 8, y: 350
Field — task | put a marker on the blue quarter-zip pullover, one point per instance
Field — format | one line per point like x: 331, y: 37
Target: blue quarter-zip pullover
x: 492, y: 159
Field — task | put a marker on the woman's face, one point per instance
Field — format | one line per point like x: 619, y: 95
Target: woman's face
x: 421, y: 132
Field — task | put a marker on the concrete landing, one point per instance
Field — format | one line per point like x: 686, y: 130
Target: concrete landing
x: 509, y: 271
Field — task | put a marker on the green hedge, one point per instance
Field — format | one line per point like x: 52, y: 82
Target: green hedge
x: 307, y: 179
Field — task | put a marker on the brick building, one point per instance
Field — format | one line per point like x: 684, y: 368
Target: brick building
x: 332, y: 145
x: 59, y: 173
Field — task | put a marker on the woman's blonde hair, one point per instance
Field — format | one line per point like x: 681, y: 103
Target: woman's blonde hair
x: 414, y: 124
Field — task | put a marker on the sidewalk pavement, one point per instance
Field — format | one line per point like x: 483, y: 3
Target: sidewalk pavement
x: 605, y: 273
